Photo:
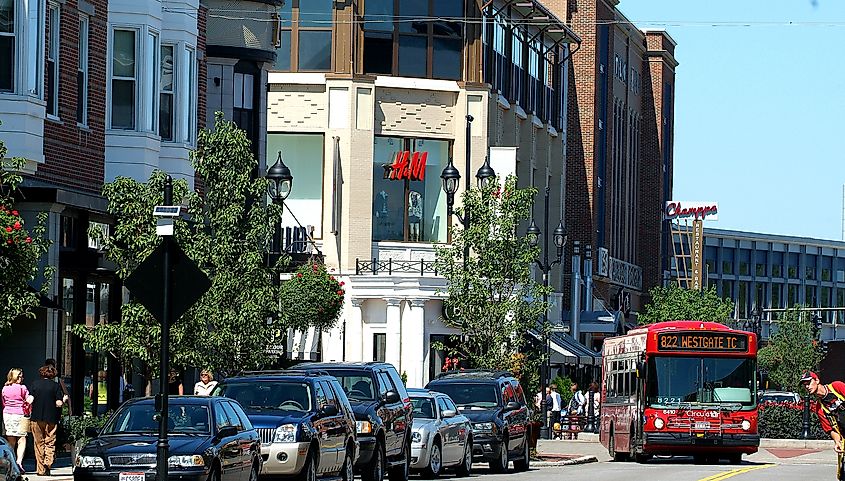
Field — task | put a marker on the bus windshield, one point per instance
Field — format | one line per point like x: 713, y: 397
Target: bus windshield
x: 675, y: 381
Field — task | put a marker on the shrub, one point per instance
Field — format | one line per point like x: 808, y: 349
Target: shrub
x: 784, y: 420
x: 72, y: 428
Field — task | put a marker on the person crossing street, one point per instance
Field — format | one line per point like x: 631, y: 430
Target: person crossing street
x: 830, y: 409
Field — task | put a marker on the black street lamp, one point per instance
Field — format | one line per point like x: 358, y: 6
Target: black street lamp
x: 281, y: 181
x: 559, y: 237
x: 451, y: 176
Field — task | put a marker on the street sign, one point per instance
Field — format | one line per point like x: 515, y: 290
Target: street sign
x: 189, y: 282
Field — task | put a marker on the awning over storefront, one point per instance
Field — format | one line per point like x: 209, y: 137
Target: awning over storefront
x: 565, y: 350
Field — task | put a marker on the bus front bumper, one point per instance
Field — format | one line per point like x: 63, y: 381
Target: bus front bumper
x: 656, y: 443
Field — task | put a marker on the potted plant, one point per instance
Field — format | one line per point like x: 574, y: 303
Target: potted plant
x: 72, y: 433
x: 535, y: 420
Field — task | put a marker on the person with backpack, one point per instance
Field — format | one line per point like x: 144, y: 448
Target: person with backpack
x: 829, y: 406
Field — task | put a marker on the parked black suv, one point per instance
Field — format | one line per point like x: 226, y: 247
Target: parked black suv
x: 495, y: 403
x: 383, y: 415
x: 304, y: 419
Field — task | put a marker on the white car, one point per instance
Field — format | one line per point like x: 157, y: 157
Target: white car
x: 441, y: 437
x: 778, y: 397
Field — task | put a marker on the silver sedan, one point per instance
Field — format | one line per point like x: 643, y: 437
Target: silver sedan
x: 441, y: 436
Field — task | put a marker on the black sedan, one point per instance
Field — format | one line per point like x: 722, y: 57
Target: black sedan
x: 9, y: 470
x: 210, y: 439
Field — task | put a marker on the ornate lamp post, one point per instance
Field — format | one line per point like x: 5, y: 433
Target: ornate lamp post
x: 545, y: 266
x: 278, y: 188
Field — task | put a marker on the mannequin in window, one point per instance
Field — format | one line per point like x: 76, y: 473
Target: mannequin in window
x: 415, y: 212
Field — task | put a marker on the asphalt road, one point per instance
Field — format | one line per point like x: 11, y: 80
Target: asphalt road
x: 766, y: 465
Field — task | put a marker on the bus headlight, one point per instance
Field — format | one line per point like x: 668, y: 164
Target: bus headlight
x: 658, y: 423
x: 746, y: 425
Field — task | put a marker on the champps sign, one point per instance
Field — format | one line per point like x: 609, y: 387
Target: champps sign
x: 677, y: 210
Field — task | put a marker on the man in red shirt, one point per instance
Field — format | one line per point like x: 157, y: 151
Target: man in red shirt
x: 829, y: 405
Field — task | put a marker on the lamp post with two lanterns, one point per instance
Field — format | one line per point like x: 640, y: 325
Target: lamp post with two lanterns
x: 559, y: 237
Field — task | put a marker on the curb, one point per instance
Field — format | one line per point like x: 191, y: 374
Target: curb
x: 797, y: 443
x: 568, y: 462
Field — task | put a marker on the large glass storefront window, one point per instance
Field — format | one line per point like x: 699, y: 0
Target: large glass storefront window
x: 303, y: 154
x: 408, y: 201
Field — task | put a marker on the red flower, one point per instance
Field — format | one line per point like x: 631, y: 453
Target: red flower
x: 339, y: 292
x: 15, y: 213
x: 29, y: 240
x: 331, y: 277
x: 298, y: 274
x: 314, y: 266
x: 17, y: 226
x: 9, y: 241
x: 8, y: 229
x: 342, y: 283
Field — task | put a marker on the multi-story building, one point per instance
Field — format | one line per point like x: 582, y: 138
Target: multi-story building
x: 619, y: 153
x: 92, y: 90
x: 357, y: 85
x: 763, y: 273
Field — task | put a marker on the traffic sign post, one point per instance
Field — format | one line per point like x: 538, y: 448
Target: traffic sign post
x: 168, y: 264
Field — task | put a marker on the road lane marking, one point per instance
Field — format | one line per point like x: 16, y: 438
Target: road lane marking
x: 735, y: 472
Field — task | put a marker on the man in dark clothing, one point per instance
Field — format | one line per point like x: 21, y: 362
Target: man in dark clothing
x: 46, y: 413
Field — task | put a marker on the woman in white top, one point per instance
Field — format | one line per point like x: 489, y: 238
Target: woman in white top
x: 206, y: 384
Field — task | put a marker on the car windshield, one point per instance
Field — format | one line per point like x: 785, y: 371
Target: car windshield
x: 140, y: 419
x: 256, y: 396
x: 357, y: 387
x: 709, y: 380
x: 423, y: 407
x: 469, y: 395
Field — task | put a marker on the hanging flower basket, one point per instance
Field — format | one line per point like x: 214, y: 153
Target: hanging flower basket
x: 311, y: 297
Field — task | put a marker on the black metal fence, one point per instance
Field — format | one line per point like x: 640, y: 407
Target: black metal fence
x: 394, y: 266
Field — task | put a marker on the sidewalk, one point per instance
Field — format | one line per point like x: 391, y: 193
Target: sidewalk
x: 765, y: 443
x: 62, y: 470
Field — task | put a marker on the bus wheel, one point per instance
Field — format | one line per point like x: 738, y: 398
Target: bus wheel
x: 642, y: 458
x: 611, y: 448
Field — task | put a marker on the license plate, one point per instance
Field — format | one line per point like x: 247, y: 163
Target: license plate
x: 131, y: 477
x: 698, y: 425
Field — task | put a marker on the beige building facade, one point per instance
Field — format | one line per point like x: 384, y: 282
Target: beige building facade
x: 367, y: 149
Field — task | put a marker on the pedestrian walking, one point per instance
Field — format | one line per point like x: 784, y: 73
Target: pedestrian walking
x: 593, y: 406
x: 102, y: 396
x: 46, y: 414
x: 65, y: 393
x: 16, y: 403
x: 174, y: 384
x: 575, y: 410
x: 206, y: 384
x: 555, y: 405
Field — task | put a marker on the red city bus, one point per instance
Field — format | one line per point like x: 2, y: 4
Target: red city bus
x: 680, y: 388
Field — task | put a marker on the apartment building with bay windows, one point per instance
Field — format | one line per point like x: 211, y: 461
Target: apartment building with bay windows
x: 368, y: 102
x: 91, y: 90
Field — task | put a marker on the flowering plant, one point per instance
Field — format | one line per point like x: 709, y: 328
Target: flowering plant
x: 20, y: 250
x: 311, y: 297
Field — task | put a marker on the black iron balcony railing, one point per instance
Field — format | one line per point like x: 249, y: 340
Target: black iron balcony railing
x: 394, y: 266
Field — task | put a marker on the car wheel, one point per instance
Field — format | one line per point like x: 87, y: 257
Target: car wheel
x: 375, y: 471
x: 401, y: 472
x: 523, y: 463
x: 214, y: 475
x: 500, y: 464
x: 735, y: 458
x: 309, y: 471
x: 347, y: 471
x: 435, y: 462
x: 465, y: 468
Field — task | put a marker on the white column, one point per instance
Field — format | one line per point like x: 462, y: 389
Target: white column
x: 413, y: 342
x: 355, y: 332
x: 394, y: 328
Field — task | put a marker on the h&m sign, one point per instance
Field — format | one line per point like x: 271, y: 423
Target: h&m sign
x: 406, y: 165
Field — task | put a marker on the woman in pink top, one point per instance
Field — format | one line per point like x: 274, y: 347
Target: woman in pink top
x: 15, y: 395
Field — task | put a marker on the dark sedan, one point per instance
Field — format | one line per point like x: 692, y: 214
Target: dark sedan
x: 9, y: 470
x: 210, y: 439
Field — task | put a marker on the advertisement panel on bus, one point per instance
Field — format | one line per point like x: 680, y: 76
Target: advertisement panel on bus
x: 680, y: 388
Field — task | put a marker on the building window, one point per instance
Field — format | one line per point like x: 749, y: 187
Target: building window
x: 411, y: 47
x: 52, y: 74
x: 7, y: 45
x: 151, y: 75
x: 303, y: 154
x: 304, y: 41
x: 244, y: 102
x: 777, y: 296
x: 167, y: 82
x: 727, y: 267
x: 408, y: 201
x: 123, y: 83
x: 827, y: 268
x: 792, y: 267
x: 777, y: 264
x: 82, y: 73
x: 791, y: 295
x: 379, y: 347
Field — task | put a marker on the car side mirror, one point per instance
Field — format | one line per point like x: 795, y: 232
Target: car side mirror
x: 512, y: 406
x: 329, y: 410
x: 92, y: 432
x: 227, y: 431
x: 449, y: 413
x: 390, y: 397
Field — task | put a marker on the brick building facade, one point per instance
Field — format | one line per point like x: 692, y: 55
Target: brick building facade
x: 619, y: 147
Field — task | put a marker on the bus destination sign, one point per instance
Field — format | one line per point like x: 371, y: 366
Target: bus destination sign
x: 702, y: 341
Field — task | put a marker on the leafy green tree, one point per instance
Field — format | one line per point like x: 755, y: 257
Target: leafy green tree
x: 674, y: 303
x: 311, y: 297
x: 792, y: 349
x: 231, y: 326
x: 20, y: 249
x: 491, y: 295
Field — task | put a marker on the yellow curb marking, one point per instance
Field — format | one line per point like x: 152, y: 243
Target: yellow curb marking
x: 734, y: 472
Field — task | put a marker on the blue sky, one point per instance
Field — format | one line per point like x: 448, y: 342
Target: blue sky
x: 759, y: 109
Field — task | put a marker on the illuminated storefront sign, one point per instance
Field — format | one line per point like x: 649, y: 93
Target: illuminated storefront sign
x: 676, y: 210
x: 406, y: 165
